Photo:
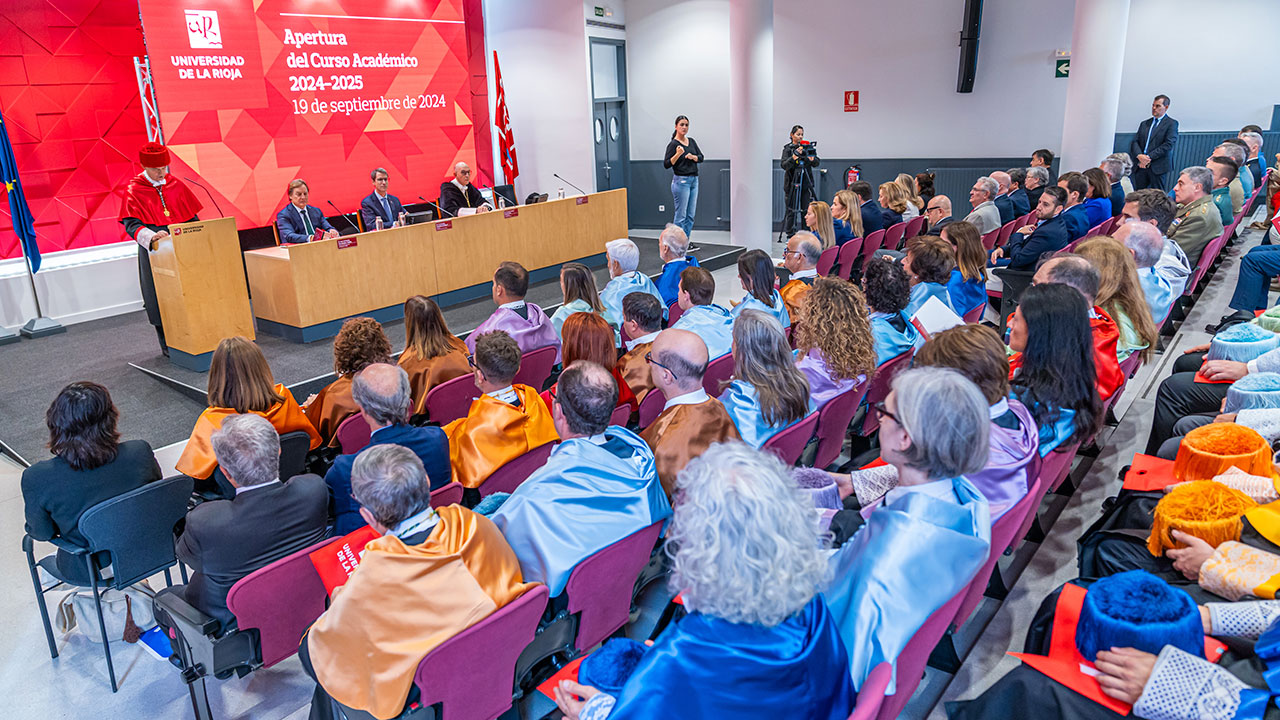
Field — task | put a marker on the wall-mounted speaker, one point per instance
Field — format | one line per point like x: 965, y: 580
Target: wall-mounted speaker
x: 969, y: 33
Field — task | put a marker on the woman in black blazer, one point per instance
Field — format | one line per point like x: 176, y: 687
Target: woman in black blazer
x: 89, y: 465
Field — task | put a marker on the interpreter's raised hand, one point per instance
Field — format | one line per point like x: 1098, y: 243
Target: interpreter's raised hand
x: 570, y: 705
x: 693, y: 157
x: 1124, y: 672
x: 679, y: 151
x: 1224, y: 370
x: 1189, y: 559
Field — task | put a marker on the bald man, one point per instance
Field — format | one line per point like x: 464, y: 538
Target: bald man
x: 938, y: 213
x: 1002, y: 200
x: 1079, y: 273
x: 383, y: 395
x: 692, y: 420
x: 459, y: 196
x: 801, y: 259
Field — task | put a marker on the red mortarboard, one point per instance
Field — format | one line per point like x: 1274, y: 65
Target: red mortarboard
x: 153, y: 155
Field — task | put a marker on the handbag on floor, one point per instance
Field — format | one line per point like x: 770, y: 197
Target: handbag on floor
x: 126, y: 613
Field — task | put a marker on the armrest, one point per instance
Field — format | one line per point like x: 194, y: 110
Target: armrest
x: 185, y: 615
x: 68, y: 546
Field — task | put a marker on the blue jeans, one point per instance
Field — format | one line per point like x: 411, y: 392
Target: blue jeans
x: 684, y: 188
x: 1257, y: 268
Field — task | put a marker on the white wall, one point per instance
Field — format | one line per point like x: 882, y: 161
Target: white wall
x: 1185, y: 49
x: 541, y: 46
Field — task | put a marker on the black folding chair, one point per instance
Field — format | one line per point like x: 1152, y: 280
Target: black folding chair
x: 135, y: 533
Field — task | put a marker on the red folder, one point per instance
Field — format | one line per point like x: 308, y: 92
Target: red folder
x: 1149, y: 473
x: 336, y: 561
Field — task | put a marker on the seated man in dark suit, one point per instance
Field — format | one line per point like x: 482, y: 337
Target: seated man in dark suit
x: 297, y: 222
x: 1018, y: 195
x: 225, y: 540
x: 1003, y: 202
x: 1115, y: 171
x: 1076, y: 187
x: 460, y: 193
x: 872, y: 213
x: 379, y: 204
x: 383, y: 394
x: 938, y: 214
x: 1027, y: 244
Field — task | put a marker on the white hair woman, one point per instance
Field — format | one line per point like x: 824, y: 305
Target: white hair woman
x: 768, y: 393
x: 931, y: 533
x: 758, y: 640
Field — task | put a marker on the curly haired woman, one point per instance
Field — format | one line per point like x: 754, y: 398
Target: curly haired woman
x: 834, y: 348
x: 360, y: 343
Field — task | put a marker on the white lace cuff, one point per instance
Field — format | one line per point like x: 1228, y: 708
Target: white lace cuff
x: 1242, y: 619
x: 144, y: 236
x: 1185, y: 687
x: 598, y: 707
x: 871, y: 484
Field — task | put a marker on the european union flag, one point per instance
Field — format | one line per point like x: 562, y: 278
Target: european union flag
x: 23, y: 223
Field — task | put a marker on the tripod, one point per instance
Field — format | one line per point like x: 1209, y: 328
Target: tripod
x: 795, y: 214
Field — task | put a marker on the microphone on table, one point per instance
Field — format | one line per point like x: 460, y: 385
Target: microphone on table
x: 566, y: 182
x: 344, y: 216
x: 442, y: 210
x: 206, y: 190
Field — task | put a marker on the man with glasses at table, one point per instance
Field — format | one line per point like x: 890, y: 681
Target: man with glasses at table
x: 691, y: 421
x: 938, y: 214
x: 459, y: 194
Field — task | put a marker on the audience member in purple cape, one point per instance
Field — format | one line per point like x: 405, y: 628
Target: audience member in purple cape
x: 834, y: 348
x: 525, y: 322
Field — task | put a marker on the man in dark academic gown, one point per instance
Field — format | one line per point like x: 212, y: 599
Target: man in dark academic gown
x: 153, y: 200
x: 459, y: 193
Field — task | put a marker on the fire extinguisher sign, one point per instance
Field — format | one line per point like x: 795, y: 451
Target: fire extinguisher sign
x: 852, y: 175
x: 851, y: 101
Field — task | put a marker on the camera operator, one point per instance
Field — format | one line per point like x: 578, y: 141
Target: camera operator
x: 797, y: 185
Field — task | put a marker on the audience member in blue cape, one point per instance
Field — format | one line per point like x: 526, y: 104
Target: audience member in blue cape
x: 624, y: 278
x: 755, y: 270
x: 931, y: 533
x: 599, y: 485
x: 710, y: 322
x: 769, y: 393
x: 759, y: 641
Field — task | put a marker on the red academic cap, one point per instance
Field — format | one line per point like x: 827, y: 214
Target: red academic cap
x: 153, y: 155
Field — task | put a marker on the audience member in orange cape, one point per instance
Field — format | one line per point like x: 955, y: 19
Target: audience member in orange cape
x: 804, y: 249
x: 359, y: 344
x: 432, y: 354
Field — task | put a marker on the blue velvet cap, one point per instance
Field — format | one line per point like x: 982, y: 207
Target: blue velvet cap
x: 1253, y: 392
x: 819, y: 486
x: 608, y: 668
x: 1139, y: 610
x: 1242, y: 342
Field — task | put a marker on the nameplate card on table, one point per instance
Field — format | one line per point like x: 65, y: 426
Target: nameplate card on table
x: 510, y: 213
x: 444, y: 225
x: 336, y: 561
x: 346, y: 242
x: 581, y: 199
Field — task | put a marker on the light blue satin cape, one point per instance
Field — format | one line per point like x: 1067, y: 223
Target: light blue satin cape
x: 713, y: 324
x: 889, y: 343
x: 743, y: 405
x: 624, y: 285
x: 778, y: 311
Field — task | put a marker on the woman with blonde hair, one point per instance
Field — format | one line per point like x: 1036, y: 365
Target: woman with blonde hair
x: 240, y: 382
x: 768, y: 393
x: 359, y: 344
x: 1120, y: 295
x: 834, y: 347
x: 893, y: 203
x: 431, y: 354
x: 580, y: 295
x: 846, y: 216
x: 967, y: 287
x: 915, y: 205
x: 818, y: 219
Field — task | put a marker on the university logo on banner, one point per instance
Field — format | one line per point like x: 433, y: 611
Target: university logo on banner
x: 202, y: 29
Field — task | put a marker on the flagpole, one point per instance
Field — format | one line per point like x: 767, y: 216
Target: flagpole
x: 38, y: 326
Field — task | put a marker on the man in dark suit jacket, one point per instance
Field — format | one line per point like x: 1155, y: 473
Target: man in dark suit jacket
x: 297, y: 221
x: 1076, y: 188
x: 1027, y: 244
x: 1037, y: 180
x: 460, y: 193
x: 1115, y: 171
x: 382, y: 391
x: 938, y: 214
x: 1017, y: 195
x: 1003, y: 204
x: 379, y: 204
x: 872, y: 213
x: 225, y: 540
x: 1152, y: 146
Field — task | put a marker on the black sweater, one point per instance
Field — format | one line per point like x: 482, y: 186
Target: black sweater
x: 683, y: 166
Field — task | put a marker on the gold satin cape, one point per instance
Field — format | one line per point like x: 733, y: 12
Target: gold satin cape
x: 197, y: 458
x: 682, y: 433
x: 426, y: 374
x: 402, y: 601
x: 793, y: 294
x: 494, y: 433
x: 635, y: 370
x: 332, y: 405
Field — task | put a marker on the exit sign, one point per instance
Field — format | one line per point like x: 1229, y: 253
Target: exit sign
x: 599, y: 11
x: 1061, y: 68
x: 851, y: 101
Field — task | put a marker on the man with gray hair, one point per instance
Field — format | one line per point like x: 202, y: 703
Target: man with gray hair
x: 1256, y: 162
x: 1197, y: 220
x: 804, y: 249
x: 1147, y: 245
x: 379, y: 204
x: 225, y: 540
x: 624, y: 278
x: 673, y: 248
x: 1114, y: 169
x: 432, y: 574
x: 382, y: 393
x: 459, y: 193
x: 985, y: 215
x: 1002, y: 200
x: 1126, y: 169
x: 1037, y: 180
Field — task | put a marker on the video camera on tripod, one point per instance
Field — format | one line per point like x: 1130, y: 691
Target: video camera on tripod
x: 806, y: 154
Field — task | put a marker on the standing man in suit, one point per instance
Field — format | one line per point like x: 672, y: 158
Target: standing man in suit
x: 380, y: 204
x: 938, y: 214
x: 225, y: 540
x: 298, y: 221
x: 872, y: 214
x: 1153, y: 144
x: 1017, y: 195
x: 460, y: 193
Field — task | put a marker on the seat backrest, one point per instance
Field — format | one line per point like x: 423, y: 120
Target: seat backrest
x: 871, y: 696
x: 508, y: 477
x: 849, y: 256
x: 451, y: 399
x: 989, y: 240
x: 621, y: 415
x: 893, y: 235
x: 472, y: 674
x: 870, y: 244
x: 450, y: 494
x: 535, y: 367
x: 354, y: 434
x: 599, y: 588
x: 827, y: 260
x: 880, y: 386
x: 674, y: 311
x: 717, y: 370
x: 1057, y: 465
x: 789, y: 443
x: 280, y: 601
x: 293, y: 453
x: 651, y: 407
x: 974, y: 315
x: 833, y: 423
x: 1006, y: 232
x: 1005, y: 531
x: 914, y: 226
x: 136, y: 528
x: 913, y: 658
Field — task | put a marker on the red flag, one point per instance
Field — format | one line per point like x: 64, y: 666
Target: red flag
x: 506, y: 141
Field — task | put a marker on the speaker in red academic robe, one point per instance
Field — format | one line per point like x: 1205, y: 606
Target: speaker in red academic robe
x: 153, y: 200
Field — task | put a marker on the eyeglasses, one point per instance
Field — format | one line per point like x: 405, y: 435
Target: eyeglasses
x: 790, y: 252
x: 471, y: 360
x: 933, y: 209
x: 883, y: 410
x: 648, y: 357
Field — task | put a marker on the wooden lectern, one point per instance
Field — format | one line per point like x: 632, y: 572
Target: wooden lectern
x: 201, y: 289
